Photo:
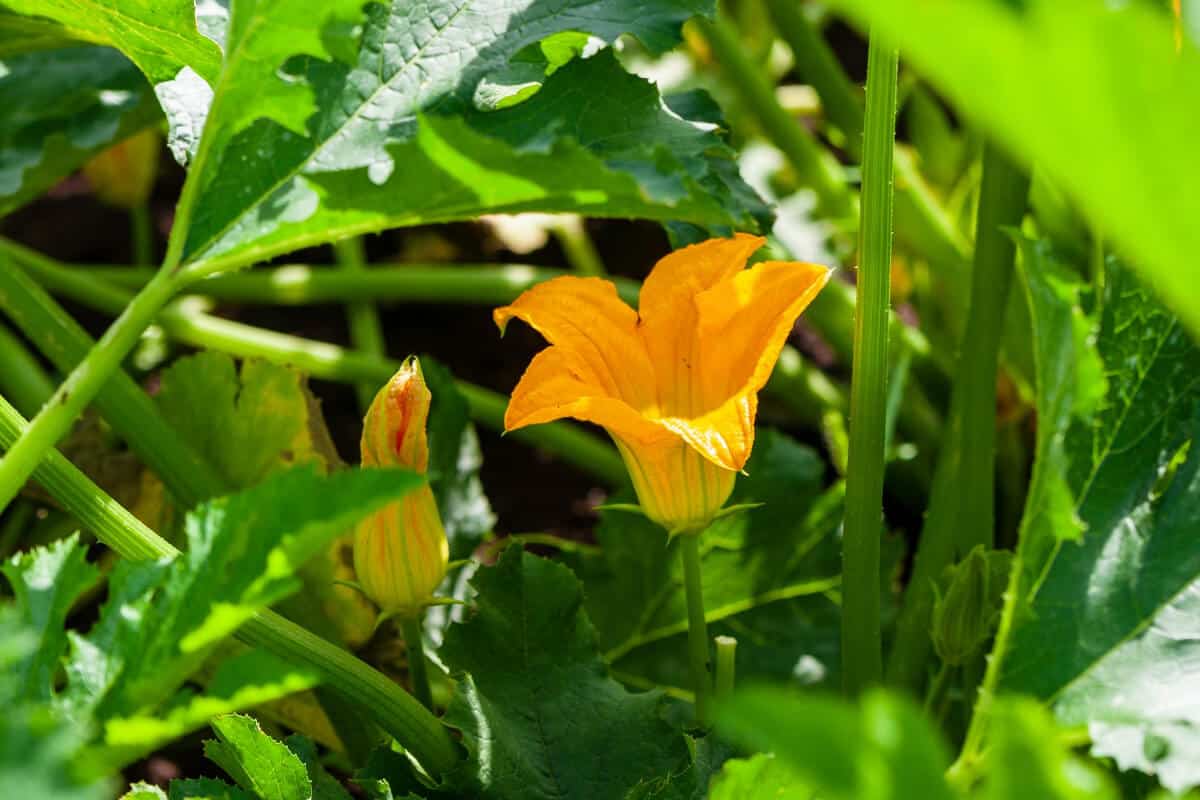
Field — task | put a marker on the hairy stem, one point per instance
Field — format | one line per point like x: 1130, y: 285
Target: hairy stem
x: 861, y: 636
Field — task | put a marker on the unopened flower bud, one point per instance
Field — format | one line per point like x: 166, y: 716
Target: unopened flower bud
x: 400, y: 552
x: 968, y: 604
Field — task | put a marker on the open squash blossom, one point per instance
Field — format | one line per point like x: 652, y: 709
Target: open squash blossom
x: 675, y: 383
x: 400, y: 551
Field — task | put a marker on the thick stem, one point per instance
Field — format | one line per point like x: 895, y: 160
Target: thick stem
x: 366, y: 331
x: 418, y: 668
x: 394, y: 710
x: 962, y: 504
x: 701, y: 666
x: 571, y: 232
x: 128, y: 409
x: 861, y: 636
x: 82, y: 385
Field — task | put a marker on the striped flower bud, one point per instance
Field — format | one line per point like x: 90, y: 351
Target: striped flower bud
x: 400, y: 552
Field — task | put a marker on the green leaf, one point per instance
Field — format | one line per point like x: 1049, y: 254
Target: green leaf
x: 258, y: 763
x: 884, y: 748
x: 539, y: 715
x: 144, y: 791
x: 161, y: 619
x: 454, y: 463
x: 1119, y: 660
x: 160, y: 36
x: 1058, y: 83
x: 19, y: 34
x: 206, y: 789
x: 247, y: 422
x: 61, y: 107
x: 252, y: 421
x: 47, y: 582
x: 783, y: 550
x: 395, y: 135
x: 1026, y: 759
x: 324, y: 785
x: 761, y: 777
x: 36, y: 747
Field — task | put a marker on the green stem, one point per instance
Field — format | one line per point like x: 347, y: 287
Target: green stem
x: 22, y: 378
x: 185, y: 323
x: 128, y: 409
x: 366, y: 331
x: 962, y: 505
x: 936, y: 687
x: 572, y: 235
x: 701, y: 667
x: 418, y: 668
x: 726, y: 647
x: 307, y: 284
x: 141, y: 234
x: 861, y: 635
x: 817, y: 65
x: 82, y: 385
x: 922, y: 222
x: 814, y: 167
x: 395, y: 711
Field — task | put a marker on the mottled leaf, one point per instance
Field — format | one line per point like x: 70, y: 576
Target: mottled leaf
x: 539, y: 715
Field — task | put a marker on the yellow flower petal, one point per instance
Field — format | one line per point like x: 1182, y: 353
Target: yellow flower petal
x: 725, y: 435
x: 554, y: 386
x: 745, y: 321
x: 586, y: 319
x: 669, y: 322
x: 677, y: 487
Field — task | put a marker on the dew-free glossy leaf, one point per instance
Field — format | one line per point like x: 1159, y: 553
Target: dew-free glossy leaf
x: 258, y: 763
x: 761, y: 777
x: 1094, y: 93
x: 61, y: 107
x: 540, y: 716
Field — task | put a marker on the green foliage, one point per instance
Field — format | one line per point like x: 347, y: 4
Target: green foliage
x: 454, y: 463
x: 883, y: 749
x: 162, y: 619
x: 783, y: 550
x: 1094, y: 93
x: 61, y: 106
x: 539, y: 715
x: 761, y: 777
x: 159, y: 36
x: 1118, y: 661
x: 384, y: 131
x: 1027, y: 760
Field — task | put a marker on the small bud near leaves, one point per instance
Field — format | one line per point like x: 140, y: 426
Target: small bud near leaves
x: 967, y: 607
x: 401, y: 552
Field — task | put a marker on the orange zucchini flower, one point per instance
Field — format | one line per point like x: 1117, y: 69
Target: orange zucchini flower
x: 400, y: 551
x: 675, y: 383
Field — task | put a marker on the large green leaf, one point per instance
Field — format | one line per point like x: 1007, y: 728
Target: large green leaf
x: 761, y: 777
x: 257, y: 762
x: 539, y: 715
x: 21, y: 34
x: 160, y: 36
x: 1123, y: 659
x: 387, y: 130
x: 62, y: 106
x: 883, y: 749
x: 1095, y: 93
